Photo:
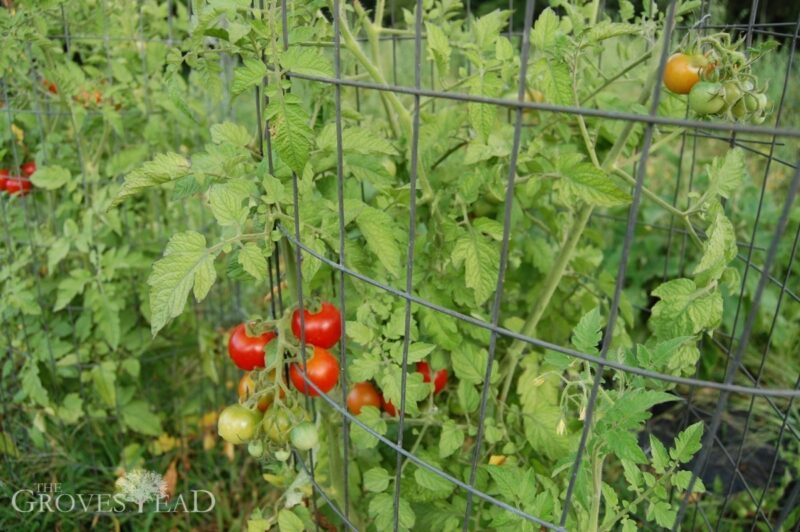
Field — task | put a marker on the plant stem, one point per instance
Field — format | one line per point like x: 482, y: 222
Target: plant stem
x: 597, y: 481
x: 649, y: 193
x: 334, y: 460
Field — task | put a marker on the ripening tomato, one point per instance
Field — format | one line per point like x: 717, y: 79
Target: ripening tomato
x: 18, y: 185
x: 707, y: 98
x: 247, y: 387
x: 322, y: 369
x: 388, y: 407
x: 362, y: 394
x: 237, y: 424
x: 683, y: 71
x: 323, y: 328
x: 304, y: 436
x: 247, y: 352
x: 3, y: 178
x: 51, y: 87
x: 28, y: 169
x: 439, y: 378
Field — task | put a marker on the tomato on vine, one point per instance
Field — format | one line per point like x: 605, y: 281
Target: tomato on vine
x: 362, y: 394
x: 247, y: 387
x: 3, y: 178
x: 439, y: 378
x: 707, y: 98
x: 322, y: 369
x: 304, y: 436
x: 247, y: 352
x: 322, y: 328
x: 18, y: 185
x: 277, y: 425
x: 683, y: 71
x: 237, y: 424
x: 388, y: 407
x: 28, y: 169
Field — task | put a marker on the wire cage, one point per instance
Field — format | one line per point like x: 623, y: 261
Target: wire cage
x: 745, y: 403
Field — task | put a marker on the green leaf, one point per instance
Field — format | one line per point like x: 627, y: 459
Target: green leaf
x: 451, y: 439
x: 718, y: 251
x: 365, y: 367
x: 381, y: 509
x: 226, y: 202
x: 7, y: 445
x: 624, y: 445
x: 50, y: 177
x: 71, y: 409
x: 544, y: 32
x: 288, y: 522
x: 70, y: 287
x: 553, y: 78
x: 470, y: 365
x: 681, y: 480
x: 371, y: 417
x: 590, y: 184
x: 104, y: 379
x: 482, y: 116
x: 481, y: 264
x: 186, y: 265
x: 32, y: 384
x: 630, y: 408
x: 251, y: 257
x: 137, y: 416
x: 726, y: 176
x: 687, y: 443
x: 660, y: 457
x: 588, y: 333
x: 431, y: 481
x: 230, y: 133
x: 683, y: 310
x: 306, y: 60
x: 489, y: 227
x: 391, y: 384
x: 377, y: 479
x: 378, y: 230
x: 487, y: 28
x: 503, y: 49
x: 359, y: 332
x: 662, y: 512
x: 289, y: 129
x: 56, y: 253
x: 163, y: 168
x: 248, y: 75
x: 438, y: 46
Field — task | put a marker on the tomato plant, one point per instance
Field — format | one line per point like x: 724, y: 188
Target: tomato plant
x: 322, y: 328
x: 247, y: 352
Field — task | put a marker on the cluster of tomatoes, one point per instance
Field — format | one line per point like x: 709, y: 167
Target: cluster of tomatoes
x: 86, y: 97
x: 282, y: 421
x: 17, y: 185
x: 716, y: 89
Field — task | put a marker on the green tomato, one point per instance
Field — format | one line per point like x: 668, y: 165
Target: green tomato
x: 706, y: 98
x: 751, y: 103
x: 732, y: 92
x: 255, y: 448
x: 739, y: 109
x: 237, y: 424
x: 762, y: 101
x: 304, y: 436
x: 277, y: 425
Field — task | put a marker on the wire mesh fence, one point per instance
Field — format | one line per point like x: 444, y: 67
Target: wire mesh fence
x: 750, y: 427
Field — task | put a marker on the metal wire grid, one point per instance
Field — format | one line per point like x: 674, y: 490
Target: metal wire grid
x: 726, y: 387
x: 735, y: 363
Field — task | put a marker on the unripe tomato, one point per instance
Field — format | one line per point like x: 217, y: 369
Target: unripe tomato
x: 706, y: 98
x: 439, y: 378
x: 739, y: 109
x: 237, y: 424
x: 322, y: 369
x: 751, y: 102
x: 732, y: 92
x: 761, y: 98
x: 28, y: 169
x: 362, y: 394
x: 255, y: 448
x: 323, y: 328
x: 304, y: 436
x: 18, y: 185
x: 3, y: 178
x: 277, y: 425
x: 683, y: 71
x: 247, y: 352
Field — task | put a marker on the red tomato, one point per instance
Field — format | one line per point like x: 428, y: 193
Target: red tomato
x: 51, y: 87
x: 18, y: 185
x: 322, y: 369
x: 247, y: 352
x: 362, y: 394
x: 439, y: 378
x: 3, y: 178
x: 28, y: 169
x: 388, y: 407
x: 323, y: 328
